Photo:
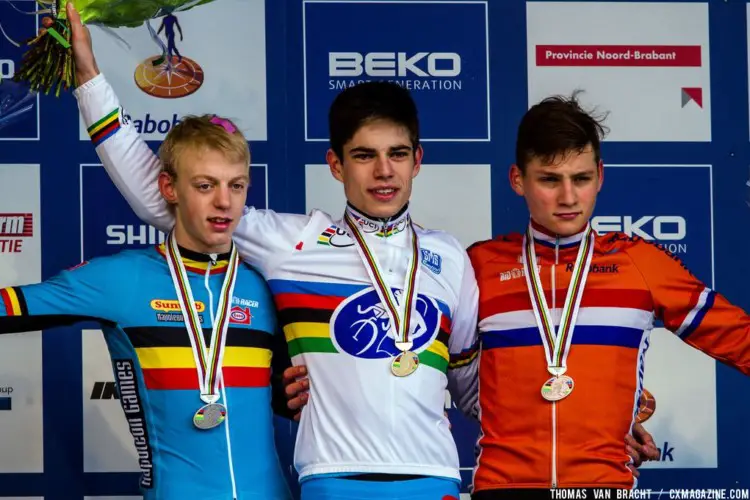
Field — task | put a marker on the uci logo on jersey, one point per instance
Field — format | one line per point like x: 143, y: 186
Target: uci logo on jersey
x: 361, y: 326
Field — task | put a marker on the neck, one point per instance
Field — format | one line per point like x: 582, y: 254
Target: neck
x: 185, y: 241
x: 546, y: 236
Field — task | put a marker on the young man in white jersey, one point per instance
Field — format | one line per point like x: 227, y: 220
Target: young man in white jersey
x: 374, y: 306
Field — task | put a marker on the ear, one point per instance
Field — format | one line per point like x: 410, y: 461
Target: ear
x: 515, y: 176
x: 418, y: 156
x: 334, y: 163
x: 600, y: 171
x: 167, y: 188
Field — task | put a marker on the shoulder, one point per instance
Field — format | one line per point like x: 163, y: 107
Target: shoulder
x: 121, y: 262
x: 495, y: 248
x: 641, y: 251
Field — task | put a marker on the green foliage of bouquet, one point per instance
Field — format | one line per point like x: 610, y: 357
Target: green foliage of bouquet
x: 48, y: 64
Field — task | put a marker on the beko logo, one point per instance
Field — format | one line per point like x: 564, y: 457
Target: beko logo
x: 394, y: 64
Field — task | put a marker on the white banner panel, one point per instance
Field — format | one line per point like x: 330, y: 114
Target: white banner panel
x: 217, y: 65
x: 647, y: 64
x: 21, y: 440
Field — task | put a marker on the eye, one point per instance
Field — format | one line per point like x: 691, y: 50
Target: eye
x: 582, y: 180
x: 204, y: 186
x: 547, y: 179
x: 363, y: 156
x: 400, y: 154
x: 238, y: 186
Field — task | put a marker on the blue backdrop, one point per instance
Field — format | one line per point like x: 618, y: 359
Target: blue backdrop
x: 297, y: 100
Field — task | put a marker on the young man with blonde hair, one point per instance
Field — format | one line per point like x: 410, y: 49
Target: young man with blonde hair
x: 191, y: 330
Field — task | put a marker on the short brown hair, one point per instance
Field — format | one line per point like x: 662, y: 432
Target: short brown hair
x: 555, y: 127
x: 199, y: 133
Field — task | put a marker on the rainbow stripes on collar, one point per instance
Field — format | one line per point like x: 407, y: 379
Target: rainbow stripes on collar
x: 380, y: 228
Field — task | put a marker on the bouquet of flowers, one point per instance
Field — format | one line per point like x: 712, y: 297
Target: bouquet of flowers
x: 48, y: 64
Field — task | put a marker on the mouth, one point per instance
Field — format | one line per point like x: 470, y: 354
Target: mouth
x: 384, y: 193
x: 219, y: 223
x: 567, y: 215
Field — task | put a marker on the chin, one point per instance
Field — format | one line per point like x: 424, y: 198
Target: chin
x: 567, y: 228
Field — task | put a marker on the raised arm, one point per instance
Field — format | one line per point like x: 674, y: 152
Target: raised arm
x: 127, y: 158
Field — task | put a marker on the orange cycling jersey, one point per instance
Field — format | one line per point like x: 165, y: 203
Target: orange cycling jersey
x: 529, y: 442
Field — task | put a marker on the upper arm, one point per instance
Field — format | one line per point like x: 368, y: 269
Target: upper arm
x: 263, y: 235
x: 693, y: 311
x: 77, y: 294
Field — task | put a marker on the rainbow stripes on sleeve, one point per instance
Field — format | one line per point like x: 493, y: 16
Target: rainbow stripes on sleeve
x: 105, y: 128
x: 13, y: 302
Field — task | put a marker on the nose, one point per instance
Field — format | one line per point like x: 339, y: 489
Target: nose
x: 383, y: 167
x: 221, y: 198
x: 567, y: 194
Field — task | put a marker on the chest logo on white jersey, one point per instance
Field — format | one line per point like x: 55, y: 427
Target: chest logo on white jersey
x: 361, y: 327
x: 334, y: 236
x: 432, y: 261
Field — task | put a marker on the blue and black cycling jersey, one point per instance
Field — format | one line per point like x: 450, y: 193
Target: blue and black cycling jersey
x: 132, y: 296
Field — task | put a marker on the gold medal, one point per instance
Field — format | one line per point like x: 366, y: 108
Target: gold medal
x: 405, y: 364
x: 557, y: 388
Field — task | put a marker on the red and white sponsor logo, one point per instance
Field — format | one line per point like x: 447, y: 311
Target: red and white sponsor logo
x: 240, y: 315
x: 684, y: 56
x: 12, y: 228
x: 16, y: 225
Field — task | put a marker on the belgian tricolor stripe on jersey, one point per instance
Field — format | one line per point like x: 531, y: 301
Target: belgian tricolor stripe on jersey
x: 13, y: 301
x: 105, y: 128
x: 305, y: 310
x: 166, y: 357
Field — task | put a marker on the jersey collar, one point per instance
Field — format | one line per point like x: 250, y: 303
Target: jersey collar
x: 382, y: 227
x: 198, y: 262
x: 547, y: 238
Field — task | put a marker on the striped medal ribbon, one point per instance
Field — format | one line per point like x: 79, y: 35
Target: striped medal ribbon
x: 557, y: 343
x: 407, y: 361
x: 207, y: 359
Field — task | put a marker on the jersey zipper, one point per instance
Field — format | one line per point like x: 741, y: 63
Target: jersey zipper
x: 554, y: 403
x: 223, y: 389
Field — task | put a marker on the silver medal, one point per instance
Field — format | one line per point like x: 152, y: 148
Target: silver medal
x: 210, y: 416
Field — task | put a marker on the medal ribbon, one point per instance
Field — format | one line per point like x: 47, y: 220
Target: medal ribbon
x: 400, y: 317
x: 557, y: 343
x: 207, y: 359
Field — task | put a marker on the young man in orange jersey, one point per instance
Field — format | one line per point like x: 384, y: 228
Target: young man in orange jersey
x: 565, y: 348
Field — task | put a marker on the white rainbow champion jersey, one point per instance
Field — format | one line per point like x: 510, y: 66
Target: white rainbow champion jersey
x: 360, y: 418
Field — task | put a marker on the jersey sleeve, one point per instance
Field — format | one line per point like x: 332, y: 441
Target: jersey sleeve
x: 463, y: 344
x: 134, y: 168
x: 79, y: 294
x: 691, y: 310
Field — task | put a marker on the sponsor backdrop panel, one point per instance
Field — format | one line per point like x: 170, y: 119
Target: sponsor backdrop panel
x: 216, y: 64
x: 682, y: 221
x: 21, y: 396
x: 676, y: 165
x: 655, y: 82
